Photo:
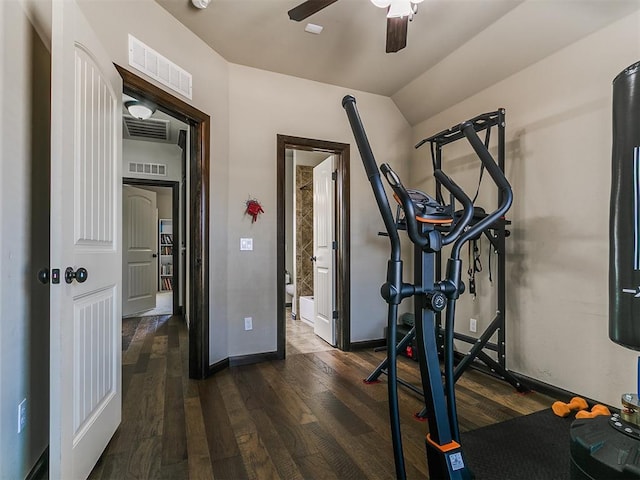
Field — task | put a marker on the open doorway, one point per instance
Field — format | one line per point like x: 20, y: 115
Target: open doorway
x: 297, y: 273
x: 154, y: 256
x: 197, y: 211
x: 155, y: 147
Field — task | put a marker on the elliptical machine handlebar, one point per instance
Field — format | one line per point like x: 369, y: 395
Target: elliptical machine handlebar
x: 373, y: 174
x: 463, y: 198
x: 454, y: 262
x: 407, y: 206
x: 498, y: 178
x: 393, y: 285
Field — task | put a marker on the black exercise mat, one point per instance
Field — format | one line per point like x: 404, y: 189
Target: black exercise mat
x: 533, y: 447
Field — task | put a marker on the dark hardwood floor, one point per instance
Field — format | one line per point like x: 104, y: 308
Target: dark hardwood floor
x: 307, y: 417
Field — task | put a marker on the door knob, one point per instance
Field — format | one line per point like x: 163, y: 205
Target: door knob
x: 154, y: 255
x: 79, y: 275
x: 43, y: 276
x: 313, y: 259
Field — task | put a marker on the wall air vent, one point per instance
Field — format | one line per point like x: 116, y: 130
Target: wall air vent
x: 148, y: 168
x: 149, y: 129
x: 147, y: 60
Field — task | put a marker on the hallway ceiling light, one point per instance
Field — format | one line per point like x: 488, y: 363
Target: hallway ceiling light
x: 139, y: 109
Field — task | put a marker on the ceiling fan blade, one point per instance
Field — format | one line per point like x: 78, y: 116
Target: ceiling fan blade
x: 308, y: 8
x: 396, y: 33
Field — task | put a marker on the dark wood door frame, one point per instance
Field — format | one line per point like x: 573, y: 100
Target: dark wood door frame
x: 175, y: 209
x: 199, y: 123
x: 343, y: 236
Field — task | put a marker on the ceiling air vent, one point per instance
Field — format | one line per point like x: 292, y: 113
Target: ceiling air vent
x: 149, y: 129
x: 148, y: 168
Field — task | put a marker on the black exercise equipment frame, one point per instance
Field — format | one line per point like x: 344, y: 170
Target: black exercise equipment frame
x: 496, y: 234
x: 444, y: 454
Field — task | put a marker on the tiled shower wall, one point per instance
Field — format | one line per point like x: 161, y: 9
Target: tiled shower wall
x: 304, y: 230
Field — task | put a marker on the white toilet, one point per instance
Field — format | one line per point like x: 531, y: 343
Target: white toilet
x: 290, y: 288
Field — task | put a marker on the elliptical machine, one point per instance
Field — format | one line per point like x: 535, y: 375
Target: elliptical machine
x: 423, y: 221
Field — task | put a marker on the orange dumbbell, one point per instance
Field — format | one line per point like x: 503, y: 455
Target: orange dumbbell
x: 595, y: 411
x: 564, y: 409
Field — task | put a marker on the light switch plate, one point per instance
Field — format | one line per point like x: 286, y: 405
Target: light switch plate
x: 246, y: 244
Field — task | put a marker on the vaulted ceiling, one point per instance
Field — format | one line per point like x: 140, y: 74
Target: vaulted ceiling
x: 455, y: 48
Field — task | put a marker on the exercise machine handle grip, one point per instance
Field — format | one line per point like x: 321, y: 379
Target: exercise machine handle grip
x: 407, y: 205
x: 463, y: 198
x: 485, y: 157
x: 498, y: 178
x: 391, y: 176
x: 370, y: 166
x: 373, y: 174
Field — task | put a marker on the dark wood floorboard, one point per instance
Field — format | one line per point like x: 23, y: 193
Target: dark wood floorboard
x: 307, y: 417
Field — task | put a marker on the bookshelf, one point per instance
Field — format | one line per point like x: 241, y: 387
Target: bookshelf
x: 165, y: 259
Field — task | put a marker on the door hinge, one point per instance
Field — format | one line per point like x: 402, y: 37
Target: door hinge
x: 334, y: 245
x: 334, y: 175
x: 334, y: 315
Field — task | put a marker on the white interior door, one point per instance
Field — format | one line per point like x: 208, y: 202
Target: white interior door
x: 139, y: 250
x: 323, y: 251
x: 86, y: 195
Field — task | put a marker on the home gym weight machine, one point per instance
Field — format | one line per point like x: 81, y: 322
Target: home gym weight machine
x: 496, y: 233
x: 444, y: 454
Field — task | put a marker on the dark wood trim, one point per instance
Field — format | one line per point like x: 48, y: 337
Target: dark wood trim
x: 253, y: 358
x: 40, y: 470
x: 175, y: 208
x: 199, y: 211
x: 219, y: 366
x: 182, y: 143
x: 140, y: 88
x: 343, y: 234
x: 368, y: 344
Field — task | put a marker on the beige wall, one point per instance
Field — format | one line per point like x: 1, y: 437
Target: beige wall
x: 558, y: 161
x: 263, y: 105
x: 249, y: 108
x: 24, y: 231
x: 113, y: 20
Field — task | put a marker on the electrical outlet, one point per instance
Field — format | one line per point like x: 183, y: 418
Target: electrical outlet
x: 22, y: 415
x: 473, y: 325
x: 248, y: 323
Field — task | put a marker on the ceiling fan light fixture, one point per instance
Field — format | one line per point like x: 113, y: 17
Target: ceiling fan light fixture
x: 381, y: 3
x: 140, y: 110
x: 400, y: 8
x: 201, y: 4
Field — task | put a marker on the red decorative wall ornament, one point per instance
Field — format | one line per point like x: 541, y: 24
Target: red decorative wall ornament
x: 254, y: 209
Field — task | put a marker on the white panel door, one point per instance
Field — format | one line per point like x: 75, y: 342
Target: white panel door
x: 323, y: 237
x: 86, y: 196
x: 139, y: 250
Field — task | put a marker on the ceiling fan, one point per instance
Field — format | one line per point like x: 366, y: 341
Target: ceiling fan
x: 399, y: 12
